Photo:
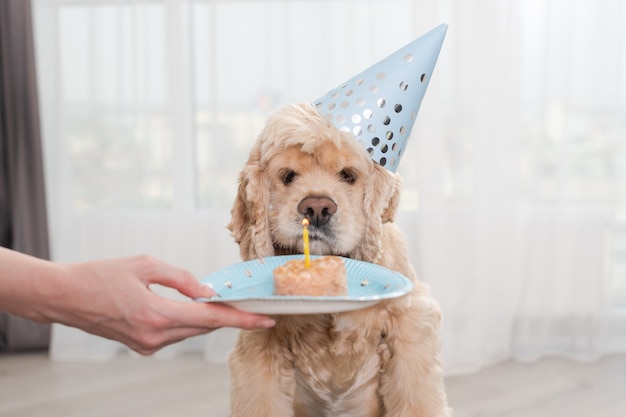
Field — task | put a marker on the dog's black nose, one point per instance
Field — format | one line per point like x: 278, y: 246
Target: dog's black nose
x: 317, y: 209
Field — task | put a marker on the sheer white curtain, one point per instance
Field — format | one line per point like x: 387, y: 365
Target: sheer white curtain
x: 515, y: 178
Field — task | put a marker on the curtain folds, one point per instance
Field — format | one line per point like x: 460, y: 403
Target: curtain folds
x: 514, y: 192
x: 23, y: 218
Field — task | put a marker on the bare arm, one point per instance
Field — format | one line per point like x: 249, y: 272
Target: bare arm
x: 112, y: 298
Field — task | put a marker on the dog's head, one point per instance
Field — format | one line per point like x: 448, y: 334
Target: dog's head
x: 302, y: 166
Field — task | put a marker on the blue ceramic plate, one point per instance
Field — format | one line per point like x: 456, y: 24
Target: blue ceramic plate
x: 248, y: 286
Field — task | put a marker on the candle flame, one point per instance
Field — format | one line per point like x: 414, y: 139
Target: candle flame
x: 305, y: 237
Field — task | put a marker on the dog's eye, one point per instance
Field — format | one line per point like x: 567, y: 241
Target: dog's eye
x: 287, y: 176
x: 348, y: 175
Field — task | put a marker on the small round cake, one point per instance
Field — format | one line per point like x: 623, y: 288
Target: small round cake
x: 326, y: 276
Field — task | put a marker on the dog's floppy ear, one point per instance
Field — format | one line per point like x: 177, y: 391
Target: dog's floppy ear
x: 381, y: 199
x: 249, y: 223
x: 393, y: 199
x: 382, y: 195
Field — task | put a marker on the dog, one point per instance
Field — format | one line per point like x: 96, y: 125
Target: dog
x: 382, y: 360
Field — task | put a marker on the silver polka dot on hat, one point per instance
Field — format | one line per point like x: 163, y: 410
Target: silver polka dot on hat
x: 379, y: 105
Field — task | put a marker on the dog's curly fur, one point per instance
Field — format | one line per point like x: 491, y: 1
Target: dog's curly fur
x: 379, y: 361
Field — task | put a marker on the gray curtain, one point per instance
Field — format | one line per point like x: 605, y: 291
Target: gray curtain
x: 23, y: 224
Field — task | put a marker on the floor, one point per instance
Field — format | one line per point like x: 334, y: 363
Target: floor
x: 33, y: 386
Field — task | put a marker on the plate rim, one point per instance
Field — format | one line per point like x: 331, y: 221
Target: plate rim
x: 405, y: 289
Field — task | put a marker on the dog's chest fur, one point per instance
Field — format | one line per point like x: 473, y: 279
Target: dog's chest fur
x: 352, y: 354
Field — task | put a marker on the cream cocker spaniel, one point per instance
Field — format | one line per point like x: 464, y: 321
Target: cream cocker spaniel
x: 379, y: 361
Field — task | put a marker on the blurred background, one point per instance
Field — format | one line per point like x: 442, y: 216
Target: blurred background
x: 514, y: 195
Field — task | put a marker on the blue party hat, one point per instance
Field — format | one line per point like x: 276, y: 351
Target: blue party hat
x: 379, y: 105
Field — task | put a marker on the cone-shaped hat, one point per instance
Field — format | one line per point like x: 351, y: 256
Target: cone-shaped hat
x: 379, y: 105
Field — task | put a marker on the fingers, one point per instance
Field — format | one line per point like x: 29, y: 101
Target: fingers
x: 225, y: 316
x: 207, y: 316
x: 166, y: 321
x: 192, y: 319
x: 201, y: 315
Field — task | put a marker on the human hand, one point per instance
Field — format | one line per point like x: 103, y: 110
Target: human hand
x: 112, y: 298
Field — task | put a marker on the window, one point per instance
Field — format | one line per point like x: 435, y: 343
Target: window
x: 159, y: 102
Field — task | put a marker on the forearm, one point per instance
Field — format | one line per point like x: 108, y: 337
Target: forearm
x: 28, y: 285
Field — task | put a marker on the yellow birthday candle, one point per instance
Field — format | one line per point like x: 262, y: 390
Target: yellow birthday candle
x: 305, y: 237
